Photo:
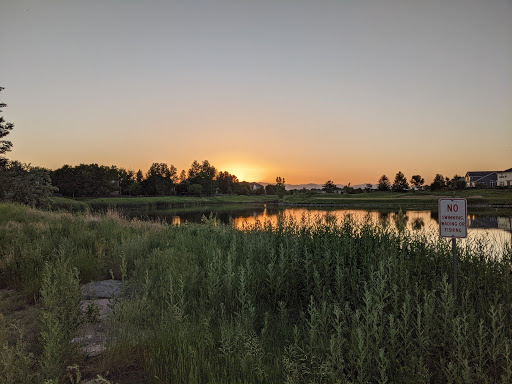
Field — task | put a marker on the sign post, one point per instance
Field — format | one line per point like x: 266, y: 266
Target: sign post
x: 453, y: 223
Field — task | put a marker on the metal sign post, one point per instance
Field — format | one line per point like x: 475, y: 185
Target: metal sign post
x: 453, y: 223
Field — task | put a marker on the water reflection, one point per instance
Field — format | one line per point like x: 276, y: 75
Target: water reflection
x: 498, y: 228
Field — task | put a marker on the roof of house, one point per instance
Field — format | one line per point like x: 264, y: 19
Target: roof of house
x: 482, y: 176
x: 480, y: 173
x: 506, y: 170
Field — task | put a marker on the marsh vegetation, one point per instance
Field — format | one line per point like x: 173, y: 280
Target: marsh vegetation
x: 315, y: 300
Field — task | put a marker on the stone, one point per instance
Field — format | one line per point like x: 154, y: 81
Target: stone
x: 106, y: 289
x: 95, y: 307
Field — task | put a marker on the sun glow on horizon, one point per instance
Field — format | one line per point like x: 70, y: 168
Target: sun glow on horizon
x: 245, y: 172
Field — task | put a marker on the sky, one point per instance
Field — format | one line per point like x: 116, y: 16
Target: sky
x: 307, y: 90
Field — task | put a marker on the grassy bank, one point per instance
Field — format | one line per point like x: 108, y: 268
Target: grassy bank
x: 420, y: 199
x: 316, y: 301
x: 383, y: 200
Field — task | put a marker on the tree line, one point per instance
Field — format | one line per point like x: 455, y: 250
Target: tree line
x: 31, y: 185
x: 161, y: 179
x: 34, y: 185
x: 400, y: 184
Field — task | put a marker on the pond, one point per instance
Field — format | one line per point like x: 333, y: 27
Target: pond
x: 495, y: 228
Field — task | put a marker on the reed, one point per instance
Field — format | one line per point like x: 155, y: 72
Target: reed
x: 314, y: 300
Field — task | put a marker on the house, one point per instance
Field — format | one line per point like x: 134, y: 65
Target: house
x: 505, y: 178
x: 483, y: 178
x: 255, y: 187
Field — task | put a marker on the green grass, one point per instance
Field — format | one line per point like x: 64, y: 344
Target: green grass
x: 384, y: 200
x: 420, y: 199
x: 313, y: 301
x: 173, y: 201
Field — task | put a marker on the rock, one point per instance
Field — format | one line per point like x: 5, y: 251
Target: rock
x: 95, y: 308
x: 106, y: 289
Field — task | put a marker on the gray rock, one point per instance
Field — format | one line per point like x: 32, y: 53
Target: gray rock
x: 105, y: 289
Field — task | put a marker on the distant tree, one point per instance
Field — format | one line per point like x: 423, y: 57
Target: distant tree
x: 384, y: 184
x: 400, y: 184
x: 195, y: 189
x: 280, y: 186
x: 194, y: 170
x: 226, y: 182
x: 5, y: 129
x: 347, y: 189
x: 204, y: 175
x: 183, y: 176
x: 329, y: 186
x: 457, y: 182
x: 86, y: 180
x: 64, y: 179
x: 270, y: 189
x: 126, y: 180
x: 368, y: 188
x: 417, y: 181
x: 139, y: 177
x: 243, y: 188
x: 160, y: 179
x: 439, y: 182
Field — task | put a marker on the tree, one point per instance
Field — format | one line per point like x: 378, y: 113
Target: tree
x: 280, y: 186
x: 329, y: 186
x: 204, y: 175
x: 439, y: 182
x: 195, y: 189
x: 347, y: 189
x: 126, y: 181
x: 86, y: 180
x: 160, y: 179
x: 227, y: 182
x: 417, y: 181
x: 384, y: 184
x: 139, y: 177
x: 183, y: 176
x: 27, y: 185
x: 457, y: 182
x: 270, y: 189
x: 400, y: 184
x: 194, y: 170
x: 5, y: 128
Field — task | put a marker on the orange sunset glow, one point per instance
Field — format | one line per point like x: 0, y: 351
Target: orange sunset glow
x: 342, y: 91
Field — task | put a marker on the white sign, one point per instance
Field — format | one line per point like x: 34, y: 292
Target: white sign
x: 452, y: 218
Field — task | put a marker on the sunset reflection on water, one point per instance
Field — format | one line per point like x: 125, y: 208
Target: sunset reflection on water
x: 492, y: 230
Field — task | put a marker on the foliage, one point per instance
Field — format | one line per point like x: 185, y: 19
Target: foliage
x: 227, y: 183
x: 60, y: 298
x: 126, y: 181
x: 5, y: 128
x: 270, y: 189
x: 384, y: 184
x: 86, y: 180
x: 329, y: 186
x: 310, y: 301
x: 160, y: 180
x: 417, y: 181
x: 439, y: 182
x: 15, y: 361
x: 203, y: 174
x: 400, y: 184
x: 25, y: 184
x: 457, y: 182
x: 280, y: 186
x: 195, y: 189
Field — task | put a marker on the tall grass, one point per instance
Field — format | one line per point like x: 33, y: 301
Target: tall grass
x: 315, y: 300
